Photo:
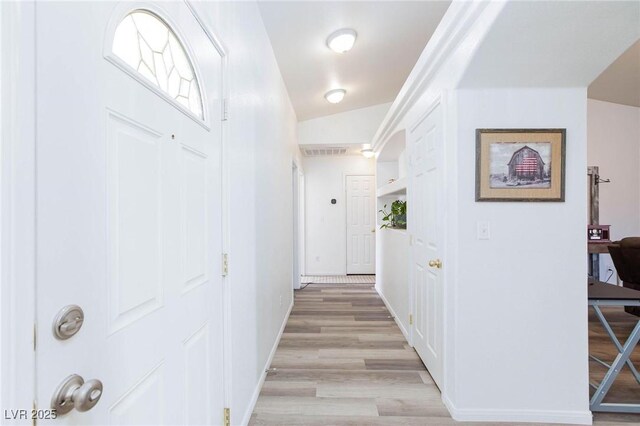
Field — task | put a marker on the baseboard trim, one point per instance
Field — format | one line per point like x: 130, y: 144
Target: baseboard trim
x: 393, y: 313
x: 263, y: 376
x: 521, y: 416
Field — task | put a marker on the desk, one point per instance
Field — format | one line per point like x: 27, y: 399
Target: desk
x: 601, y: 294
x: 595, y: 250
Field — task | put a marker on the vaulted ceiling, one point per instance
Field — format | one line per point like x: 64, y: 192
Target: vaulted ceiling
x: 620, y: 82
x: 391, y: 37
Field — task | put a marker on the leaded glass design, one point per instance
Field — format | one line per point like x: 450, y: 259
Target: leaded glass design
x: 147, y: 44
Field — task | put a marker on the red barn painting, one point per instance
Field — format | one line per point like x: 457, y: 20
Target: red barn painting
x: 526, y: 164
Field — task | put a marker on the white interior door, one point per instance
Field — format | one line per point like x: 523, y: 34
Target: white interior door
x: 361, y: 227
x: 425, y: 223
x: 129, y: 219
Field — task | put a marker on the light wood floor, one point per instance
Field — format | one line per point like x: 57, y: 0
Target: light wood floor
x: 342, y: 360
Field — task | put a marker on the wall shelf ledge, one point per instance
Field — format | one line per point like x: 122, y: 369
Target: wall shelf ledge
x: 397, y: 187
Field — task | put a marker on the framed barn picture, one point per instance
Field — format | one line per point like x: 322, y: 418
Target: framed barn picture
x: 520, y: 164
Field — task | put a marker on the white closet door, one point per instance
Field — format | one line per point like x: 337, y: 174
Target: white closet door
x: 361, y: 225
x: 425, y: 202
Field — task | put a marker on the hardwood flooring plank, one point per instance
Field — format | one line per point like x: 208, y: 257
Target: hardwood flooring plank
x: 377, y: 337
x: 431, y: 407
x: 302, y: 405
x: 271, y: 388
x: 388, y: 329
x: 394, y: 364
x: 368, y: 353
x: 302, y: 329
x: 321, y: 322
x: 339, y: 376
x: 319, y: 364
x: 333, y: 344
x: 417, y: 391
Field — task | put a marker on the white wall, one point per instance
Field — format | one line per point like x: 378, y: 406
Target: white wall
x: 325, y: 223
x: 613, y: 133
x: 351, y: 127
x: 520, y: 298
x: 393, y: 280
x: 261, y: 146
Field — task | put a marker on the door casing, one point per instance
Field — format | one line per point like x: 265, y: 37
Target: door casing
x: 17, y: 205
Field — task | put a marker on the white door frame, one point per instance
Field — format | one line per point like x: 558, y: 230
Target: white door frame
x: 18, y: 208
x: 225, y: 205
x: 302, y: 253
x: 17, y: 205
x: 298, y: 212
x: 295, y: 213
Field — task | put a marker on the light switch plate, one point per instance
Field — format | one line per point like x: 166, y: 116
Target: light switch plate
x: 484, y: 230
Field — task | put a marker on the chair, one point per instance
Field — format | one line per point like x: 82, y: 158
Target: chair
x: 626, y: 258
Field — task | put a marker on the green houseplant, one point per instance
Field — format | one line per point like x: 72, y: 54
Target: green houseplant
x: 397, y: 217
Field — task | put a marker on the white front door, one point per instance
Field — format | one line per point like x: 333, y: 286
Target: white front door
x: 361, y: 227
x: 129, y: 217
x: 425, y: 222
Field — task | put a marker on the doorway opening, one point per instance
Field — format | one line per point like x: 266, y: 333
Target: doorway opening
x: 295, y: 189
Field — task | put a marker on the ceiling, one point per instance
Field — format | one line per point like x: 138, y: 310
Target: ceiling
x: 620, y: 82
x: 552, y: 43
x: 391, y: 37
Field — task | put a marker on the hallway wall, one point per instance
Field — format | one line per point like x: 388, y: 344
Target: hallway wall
x: 261, y: 145
x: 517, y: 304
x: 325, y: 223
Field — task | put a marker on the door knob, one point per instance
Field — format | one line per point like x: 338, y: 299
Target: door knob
x: 74, y: 392
x: 435, y: 263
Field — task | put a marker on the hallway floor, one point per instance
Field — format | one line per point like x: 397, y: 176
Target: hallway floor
x: 343, y: 360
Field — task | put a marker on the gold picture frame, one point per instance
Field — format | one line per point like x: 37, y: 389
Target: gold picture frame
x: 520, y: 164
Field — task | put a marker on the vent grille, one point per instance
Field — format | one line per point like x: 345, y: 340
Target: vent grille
x: 324, y: 151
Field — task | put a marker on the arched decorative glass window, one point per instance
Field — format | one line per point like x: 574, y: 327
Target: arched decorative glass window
x: 147, y: 44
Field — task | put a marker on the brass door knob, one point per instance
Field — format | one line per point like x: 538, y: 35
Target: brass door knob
x: 435, y: 263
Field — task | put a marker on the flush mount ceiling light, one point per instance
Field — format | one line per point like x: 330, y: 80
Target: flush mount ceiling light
x: 342, y: 41
x: 335, y: 96
x: 368, y: 153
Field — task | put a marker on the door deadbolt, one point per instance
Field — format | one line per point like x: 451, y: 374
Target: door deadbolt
x: 68, y: 322
x: 74, y: 392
